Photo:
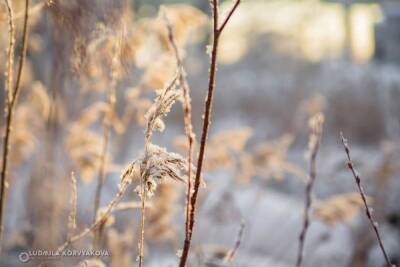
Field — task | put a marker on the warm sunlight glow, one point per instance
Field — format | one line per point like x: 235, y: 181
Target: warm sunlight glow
x: 312, y: 29
x: 363, y: 19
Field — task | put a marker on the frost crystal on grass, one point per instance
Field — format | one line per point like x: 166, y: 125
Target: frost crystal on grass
x: 155, y: 167
x: 156, y: 163
x: 161, y: 107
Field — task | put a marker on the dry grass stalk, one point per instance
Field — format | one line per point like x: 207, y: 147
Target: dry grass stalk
x: 217, y: 30
x: 129, y: 205
x: 316, y: 123
x: 74, y: 202
x: 12, y: 95
x: 361, y: 190
x: 187, y: 109
x: 10, y: 50
x: 156, y: 162
x: 107, y: 122
x: 126, y: 180
x: 142, y: 221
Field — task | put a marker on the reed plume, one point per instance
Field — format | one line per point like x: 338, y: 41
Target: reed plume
x: 156, y: 163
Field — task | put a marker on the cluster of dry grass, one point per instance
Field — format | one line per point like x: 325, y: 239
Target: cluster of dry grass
x: 130, y: 73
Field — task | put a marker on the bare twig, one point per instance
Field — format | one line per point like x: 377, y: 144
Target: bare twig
x: 206, y: 123
x: 228, y: 17
x: 232, y: 253
x: 10, y: 107
x: 316, y: 123
x: 368, y: 213
x: 187, y: 109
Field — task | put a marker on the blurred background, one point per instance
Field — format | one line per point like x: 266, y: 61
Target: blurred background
x: 280, y: 63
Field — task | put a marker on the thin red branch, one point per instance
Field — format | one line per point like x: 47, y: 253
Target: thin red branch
x: 228, y: 17
x: 206, y: 124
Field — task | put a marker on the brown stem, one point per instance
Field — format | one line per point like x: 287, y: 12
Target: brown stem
x: 22, y: 56
x: 9, y: 117
x: 146, y: 174
x: 32, y: 11
x: 100, y: 183
x: 206, y: 123
x: 228, y: 17
x: 142, y: 221
x: 187, y: 109
x: 102, y: 171
x: 10, y: 51
x: 315, y: 140
x: 368, y: 213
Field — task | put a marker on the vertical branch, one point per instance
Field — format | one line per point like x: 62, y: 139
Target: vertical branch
x: 74, y: 208
x: 162, y: 103
x: 187, y: 109
x: 21, y: 56
x: 10, y: 52
x: 106, y: 137
x: 143, y: 194
x: 142, y: 220
x: 315, y: 140
x: 368, y: 213
x: 10, y: 107
x: 217, y: 30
